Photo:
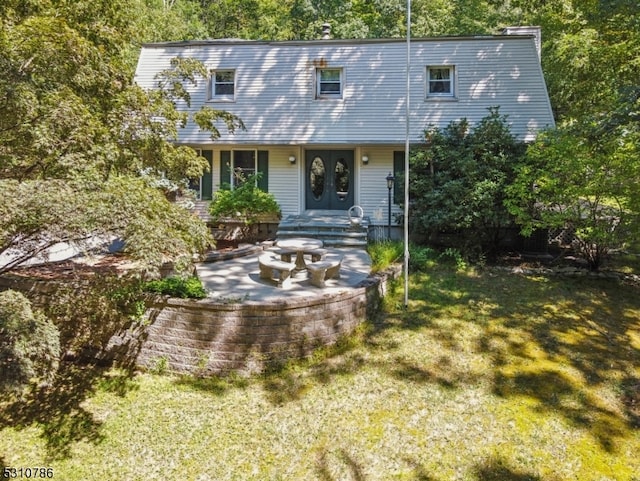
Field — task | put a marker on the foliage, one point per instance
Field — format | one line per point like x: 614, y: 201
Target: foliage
x: 384, y: 253
x: 456, y: 256
x: 37, y: 214
x: 29, y: 344
x: 421, y: 258
x: 90, y: 312
x: 171, y: 88
x: 565, y: 183
x: 76, y: 134
x: 486, y: 375
x: 458, y: 178
x: 177, y: 286
x: 303, y: 19
x: 246, y: 202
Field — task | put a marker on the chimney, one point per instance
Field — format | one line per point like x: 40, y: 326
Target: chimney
x: 535, y: 31
x: 326, y: 31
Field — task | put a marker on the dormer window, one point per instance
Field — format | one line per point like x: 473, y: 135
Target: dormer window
x: 329, y: 83
x: 223, y: 85
x: 440, y: 81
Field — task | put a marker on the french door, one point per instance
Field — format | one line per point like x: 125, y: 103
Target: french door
x: 329, y: 179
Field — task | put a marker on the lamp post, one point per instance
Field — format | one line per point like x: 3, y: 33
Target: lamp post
x: 390, y: 180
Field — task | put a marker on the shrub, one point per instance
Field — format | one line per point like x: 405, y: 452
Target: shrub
x: 29, y: 344
x: 175, y: 286
x: 458, y: 182
x: 246, y: 202
x: 421, y: 257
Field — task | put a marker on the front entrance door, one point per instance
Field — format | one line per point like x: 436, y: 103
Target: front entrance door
x: 329, y: 179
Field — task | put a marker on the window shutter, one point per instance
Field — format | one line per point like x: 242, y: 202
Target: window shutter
x: 398, y: 174
x: 225, y: 169
x: 207, y: 180
x: 263, y: 168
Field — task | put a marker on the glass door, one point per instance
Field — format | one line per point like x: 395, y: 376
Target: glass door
x: 329, y: 179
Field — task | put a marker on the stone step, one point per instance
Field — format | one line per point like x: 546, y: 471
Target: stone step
x: 341, y: 241
x: 334, y: 229
x: 316, y: 233
x: 201, y: 209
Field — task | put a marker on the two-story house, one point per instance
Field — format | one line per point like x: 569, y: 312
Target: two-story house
x: 325, y: 119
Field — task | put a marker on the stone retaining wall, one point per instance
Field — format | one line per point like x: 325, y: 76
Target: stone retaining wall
x: 206, y: 337
x: 209, y: 337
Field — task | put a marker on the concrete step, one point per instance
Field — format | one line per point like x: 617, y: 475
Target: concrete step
x: 335, y: 230
x: 201, y: 209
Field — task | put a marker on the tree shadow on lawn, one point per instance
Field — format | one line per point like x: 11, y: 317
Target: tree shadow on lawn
x: 492, y: 469
x: 58, y: 409
x: 90, y: 311
x: 343, y: 458
x: 496, y: 469
x: 559, y: 342
x: 570, y: 345
x: 570, y: 348
x: 331, y: 466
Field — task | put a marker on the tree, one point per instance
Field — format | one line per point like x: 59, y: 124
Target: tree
x: 566, y: 183
x: 76, y: 135
x: 581, y: 175
x: 458, y: 180
x: 29, y: 344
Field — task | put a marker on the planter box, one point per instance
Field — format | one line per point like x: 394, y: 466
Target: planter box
x: 236, y: 230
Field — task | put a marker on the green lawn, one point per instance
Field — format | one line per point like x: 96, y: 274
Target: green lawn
x: 487, y: 376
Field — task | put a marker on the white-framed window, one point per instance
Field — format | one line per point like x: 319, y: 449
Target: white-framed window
x: 244, y: 165
x: 441, y: 81
x: 329, y: 83
x: 222, y: 85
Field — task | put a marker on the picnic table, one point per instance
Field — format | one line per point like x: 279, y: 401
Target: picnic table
x: 300, y: 246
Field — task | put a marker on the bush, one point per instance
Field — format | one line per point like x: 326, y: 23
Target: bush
x: 458, y: 181
x: 246, y: 202
x: 421, y: 258
x: 183, y: 287
x: 29, y: 344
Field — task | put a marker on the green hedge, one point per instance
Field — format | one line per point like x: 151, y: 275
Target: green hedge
x: 175, y: 286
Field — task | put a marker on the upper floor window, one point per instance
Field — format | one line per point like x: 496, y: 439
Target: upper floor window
x: 440, y: 81
x: 329, y: 83
x: 223, y: 85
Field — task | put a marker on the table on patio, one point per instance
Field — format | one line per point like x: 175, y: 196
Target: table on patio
x: 300, y: 246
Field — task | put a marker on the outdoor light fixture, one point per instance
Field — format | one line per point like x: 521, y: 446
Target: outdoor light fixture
x: 292, y: 159
x: 390, y: 180
x: 365, y: 159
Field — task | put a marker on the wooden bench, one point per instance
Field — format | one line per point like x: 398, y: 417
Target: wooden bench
x: 329, y: 268
x: 273, y: 268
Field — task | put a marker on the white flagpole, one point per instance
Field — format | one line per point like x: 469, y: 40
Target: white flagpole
x: 406, y: 161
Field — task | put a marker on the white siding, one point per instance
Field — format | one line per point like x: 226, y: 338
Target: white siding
x: 284, y: 177
x: 275, y: 87
x: 275, y: 97
x: 374, y: 194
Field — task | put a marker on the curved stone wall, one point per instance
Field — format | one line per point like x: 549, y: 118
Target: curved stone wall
x: 210, y: 337
x: 206, y: 337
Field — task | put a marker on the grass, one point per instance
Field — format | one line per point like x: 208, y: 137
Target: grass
x: 486, y: 376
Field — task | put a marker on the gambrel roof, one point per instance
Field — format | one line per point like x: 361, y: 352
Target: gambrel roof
x: 275, y: 88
